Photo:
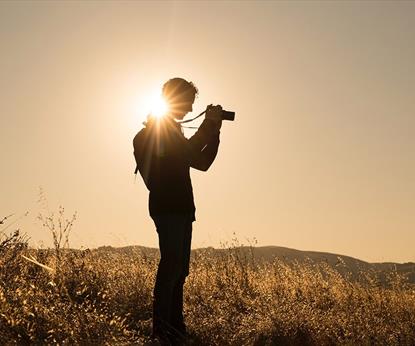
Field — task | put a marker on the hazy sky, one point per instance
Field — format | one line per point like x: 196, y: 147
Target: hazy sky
x: 321, y: 155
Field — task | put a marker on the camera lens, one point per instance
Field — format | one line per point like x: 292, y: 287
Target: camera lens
x: 228, y: 115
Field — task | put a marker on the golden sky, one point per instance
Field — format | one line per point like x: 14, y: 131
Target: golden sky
x: 321, y: 155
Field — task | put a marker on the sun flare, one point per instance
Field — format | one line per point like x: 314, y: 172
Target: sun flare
x: 158, y: 106
x: 145, y: 104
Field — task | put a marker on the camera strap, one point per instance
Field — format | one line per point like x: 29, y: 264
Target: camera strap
x: 189, y: 120
x: 190, y: 127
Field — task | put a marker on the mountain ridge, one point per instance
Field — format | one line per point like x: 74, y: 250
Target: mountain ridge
x: 258, y: 250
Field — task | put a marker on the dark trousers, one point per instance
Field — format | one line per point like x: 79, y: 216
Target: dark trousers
x: 175, y: 235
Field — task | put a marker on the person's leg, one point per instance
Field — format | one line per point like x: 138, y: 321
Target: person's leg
x: 170, y: 229
x: 177, y: 320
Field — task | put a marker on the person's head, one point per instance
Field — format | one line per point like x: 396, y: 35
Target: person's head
x: 179, y: 95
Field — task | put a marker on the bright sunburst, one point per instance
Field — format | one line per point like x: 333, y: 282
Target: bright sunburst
x: 158, y: 106
x: 146, y: 104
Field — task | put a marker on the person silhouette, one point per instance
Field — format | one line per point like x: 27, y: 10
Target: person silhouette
x: 164, y: 157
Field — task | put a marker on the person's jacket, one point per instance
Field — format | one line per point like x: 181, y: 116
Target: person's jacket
x: 164, y: 157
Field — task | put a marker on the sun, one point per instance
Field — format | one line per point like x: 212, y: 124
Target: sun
x: 147, y: 104
x: 158, y: 106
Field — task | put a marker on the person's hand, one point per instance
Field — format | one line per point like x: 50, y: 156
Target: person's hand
x: 214, y: 113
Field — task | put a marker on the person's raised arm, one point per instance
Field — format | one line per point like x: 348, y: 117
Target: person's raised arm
x: 205, y: 142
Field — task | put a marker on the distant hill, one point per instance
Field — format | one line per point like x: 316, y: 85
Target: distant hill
x: 343, y: 264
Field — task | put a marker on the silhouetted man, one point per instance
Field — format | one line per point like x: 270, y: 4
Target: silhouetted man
x: 164, y: 157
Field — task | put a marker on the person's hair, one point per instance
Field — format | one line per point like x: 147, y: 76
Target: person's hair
x: 176, y: 88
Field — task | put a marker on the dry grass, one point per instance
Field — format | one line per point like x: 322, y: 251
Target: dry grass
x: 97, y: 297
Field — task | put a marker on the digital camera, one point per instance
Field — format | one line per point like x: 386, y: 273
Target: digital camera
x: 228, y: 115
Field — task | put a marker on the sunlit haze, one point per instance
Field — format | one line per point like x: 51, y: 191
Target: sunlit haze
x: 321, y: 155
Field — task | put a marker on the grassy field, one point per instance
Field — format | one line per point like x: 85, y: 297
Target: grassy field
x: 66, y: 296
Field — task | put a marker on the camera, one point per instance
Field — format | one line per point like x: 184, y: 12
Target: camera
x: 225, y: 115
x: 228, y: 115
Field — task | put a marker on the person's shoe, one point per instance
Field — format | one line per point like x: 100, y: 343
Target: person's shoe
x: 161, y: 332
x: 179, y: 335
x: 162, y: 338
